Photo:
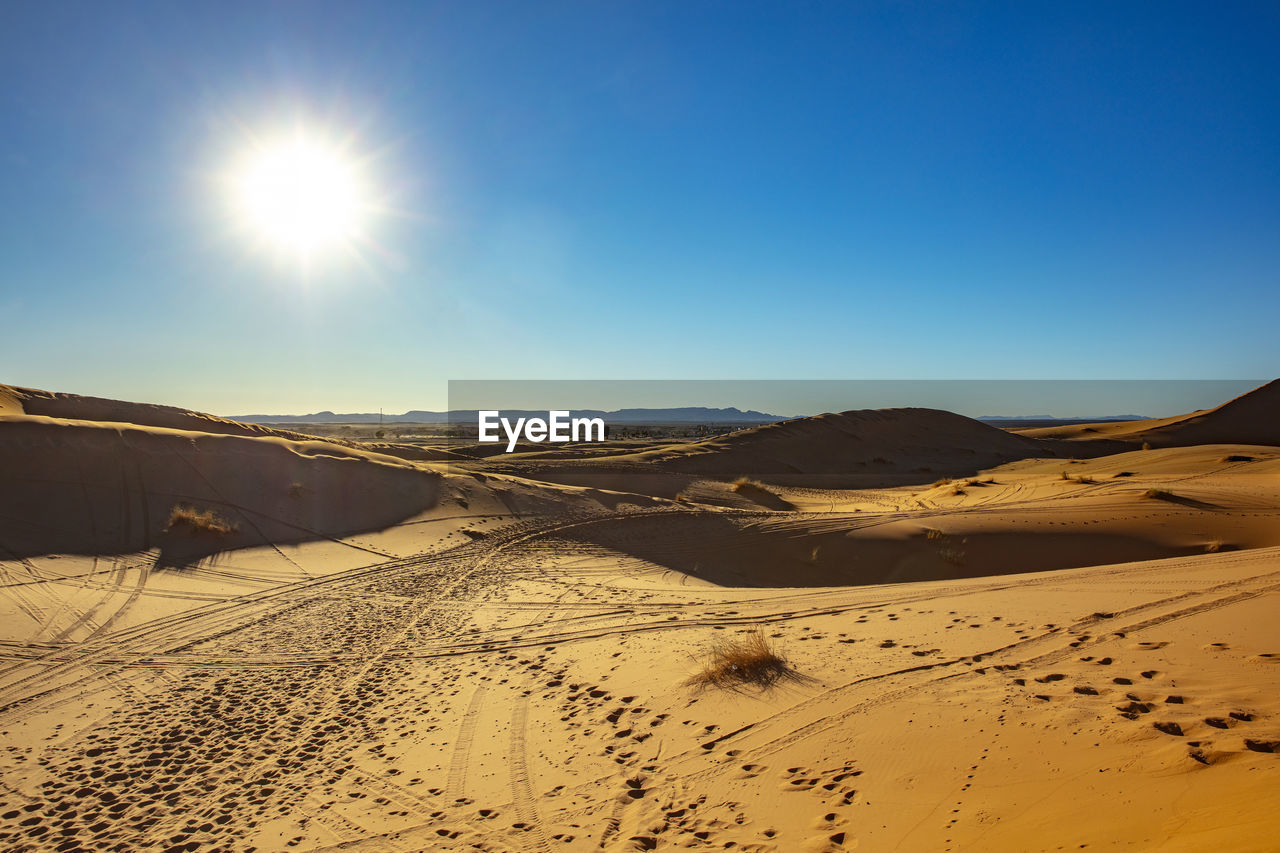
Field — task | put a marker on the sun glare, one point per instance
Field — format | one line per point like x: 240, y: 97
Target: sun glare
x: 301, y: 197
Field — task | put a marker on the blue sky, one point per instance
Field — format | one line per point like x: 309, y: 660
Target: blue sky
x: 643, y: 190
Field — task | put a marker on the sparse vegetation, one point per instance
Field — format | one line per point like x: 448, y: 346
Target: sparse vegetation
x: 739, y: 663
x: 950, y: 548
x: 1123, y: 474
x: 1158, y: 494
x: 193, y: 522
x: 940, y: 482
x: 745, y: 485
x: 1237, y: 457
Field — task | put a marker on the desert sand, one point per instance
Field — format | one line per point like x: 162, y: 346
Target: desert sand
x: 219, y: 636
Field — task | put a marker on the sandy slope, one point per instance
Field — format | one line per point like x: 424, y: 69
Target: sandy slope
x: 499, y: 664
x: 1252, y: 418
x: 30, y: 401
x: 103, y: 488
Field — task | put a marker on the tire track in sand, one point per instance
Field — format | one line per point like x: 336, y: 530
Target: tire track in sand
x: 457, y: 781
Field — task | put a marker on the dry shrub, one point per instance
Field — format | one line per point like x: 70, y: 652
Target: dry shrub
x: 744, y: 485
x: 194, y: 522
x: 1158, y: 494
x: 738, y: 663
x: 1237, y: 457
x: 950, y: 548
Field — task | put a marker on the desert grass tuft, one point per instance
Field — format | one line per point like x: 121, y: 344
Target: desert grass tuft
x: 1158, y: 494
x: 742, y: 663
x: 949, y: 547
x: 194, y: 522
x: 749, y: 486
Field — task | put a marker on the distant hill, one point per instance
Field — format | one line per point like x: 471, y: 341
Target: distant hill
x: 687, y: 414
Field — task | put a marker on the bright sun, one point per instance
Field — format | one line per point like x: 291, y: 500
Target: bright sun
x: 300, y: 196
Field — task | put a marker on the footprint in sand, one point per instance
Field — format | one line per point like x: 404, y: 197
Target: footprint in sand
x: 800, y: 779
x: 1133, y: 709
x: 1271, y: 746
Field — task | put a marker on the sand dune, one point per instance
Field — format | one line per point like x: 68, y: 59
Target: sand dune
x: 1041, y: 654
x: 92, y: 488
x: 1032, y: 515
x: 908, y: 441
x: 857, y: 449
x: 1252, y: 418
x: 29, y: 401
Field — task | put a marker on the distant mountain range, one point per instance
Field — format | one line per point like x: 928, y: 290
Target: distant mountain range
x: 687, y: 414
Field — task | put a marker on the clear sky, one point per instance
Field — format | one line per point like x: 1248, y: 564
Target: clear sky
x: 640, y: 190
